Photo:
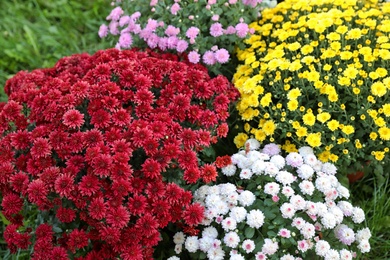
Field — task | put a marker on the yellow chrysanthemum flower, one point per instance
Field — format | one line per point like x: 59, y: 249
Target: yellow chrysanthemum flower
x: 314, y: 139
x: 384, y: 133
x: 309, y: 119
x: 269, y: 127
x: 333, y: 124
x: 240, y: 139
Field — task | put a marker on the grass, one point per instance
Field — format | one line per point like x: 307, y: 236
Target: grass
x: 373, y: 198
x: 36, y: 33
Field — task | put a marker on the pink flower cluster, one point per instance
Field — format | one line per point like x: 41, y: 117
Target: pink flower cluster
x: 92, y: 141
x: 166, y: 34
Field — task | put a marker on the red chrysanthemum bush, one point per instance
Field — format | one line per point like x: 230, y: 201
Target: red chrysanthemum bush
x: 94, y: 144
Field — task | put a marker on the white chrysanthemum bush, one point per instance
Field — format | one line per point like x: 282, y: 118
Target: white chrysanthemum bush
x: 273, y: 205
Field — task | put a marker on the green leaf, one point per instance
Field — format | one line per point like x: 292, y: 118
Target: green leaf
x: 249, y: 232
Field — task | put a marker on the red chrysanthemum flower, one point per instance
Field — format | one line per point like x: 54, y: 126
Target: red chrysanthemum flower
x: 21, y: 140
x: 109, y: 234
x: 140, y: 135
x: 137, y: 204
x: 66, y: 215
x: 173, y: 192
x: 11, y: 204
x: 144, y: 96
x: 19, y: 182
x: 101, y: 118
x: 223, y: 161
x: 188, y: 137
x: 77, y: 240
x: 151, y: 168
x: 37, y: 191
x: 187, y: 159
x: 102, y: 165
x: 133, y: 252
x: 59, y: 253
x: 97, y: 208
x: 209, y: 173
x: 118, y: 217
x: 147, y: 223
x: 155, y: 189
x: 73, y: 118
x: 194, y: 214
x: 121, y: 117
x: 191, y: 175
x: 40, y: 148
x: 89, y: 185
x: 222, y: 130
x: 64, y: 185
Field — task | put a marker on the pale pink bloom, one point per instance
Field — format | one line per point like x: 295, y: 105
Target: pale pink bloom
x: 232, y: 2
x: 211, y: 2
x: 175, y: 8
x: 181, y: 45
x: 191, y: 17
x: 216, y: 29
x: 124, y: 20
x: 222, y: 56
x: 103, y: 31
x: 115, y: 14
x: 153, y: 2
x: 172, y: 30
x: 284, y: 233
x: 303, y: 245
x: 215, y: 17
x: 193, y: 57
x: 125, y: 40
x: 113, y: 27
x: 242, y: 30
x: 192, y: 32
x: 208, y: 58
x: 275, y: 198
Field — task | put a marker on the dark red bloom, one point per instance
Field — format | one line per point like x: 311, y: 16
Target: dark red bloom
x: 66, y: 215
x: 209, y: 173
x: 77, y: 239
x: 193, y: 214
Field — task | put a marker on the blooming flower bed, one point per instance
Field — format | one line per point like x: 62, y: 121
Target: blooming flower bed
x: 276, y: 206
x: 317, y: 73
x: 100, y: 145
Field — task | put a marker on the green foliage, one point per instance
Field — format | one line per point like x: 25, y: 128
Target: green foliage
x: 36, y: 33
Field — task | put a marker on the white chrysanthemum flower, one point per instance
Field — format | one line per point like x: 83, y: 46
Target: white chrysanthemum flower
x: 337, y: 213
x: 173, y: 258
x: 305, y: 171
x: 346, y: 207
x: 260, y: 256
x: 287, y: 257
x: 332, y: 254
x: 310, y: 159
x: 307, y: 187
x: 238, y: 213
x: 179, y: 238
x: 287, y: 210
x: 246, y: 198
x: 206, y: 222
x: 329, y: 168
x: 210, y: 213
x: 192, y: 244
x: 226, y: 188
x: 287, y: 191
x: 271, y: 188
x: 248, y: 245
x: 237, y: 257
x: 363, y: 234
x: 364, y: 246
x: 278, y: 161
x: 252, y: 144
x: 345, y: 234
x: 229, y: 170
x: 298, y: 202
x: 345, y: 254
x: 212, y: 200
x: 231, y: 239
x: 210, y: 232
x: 305, y: 150
x: 317, y: 166
x: 258, y: 167
x: 205, y: 243
x: 321, y: 209
x: 328, y: 220
x: 246, y: 174
x: 237, y: 158
x: 201, y: 193
x: 271, y: 149
x: 178, y: 248
x: 343, y: 191
x: 311, y: 208
x: 322, y: 247
x: 222, y: 208
x: 254, y: 156
x: 255, y: 218
x: 215, y: 253
x: 232, y: 197
x: 323, y: 184
x: 303, y: 245
x: 285, y: 178
x: 298, y: 223
x: 308, y: 230
x: 270, y: 169
x: 294, y: 159
x: 229, y: 223
x: 358, y: 215
x: 269, y: 247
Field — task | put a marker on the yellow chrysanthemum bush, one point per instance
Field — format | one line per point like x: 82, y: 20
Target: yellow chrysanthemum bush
x: 317, y: 73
